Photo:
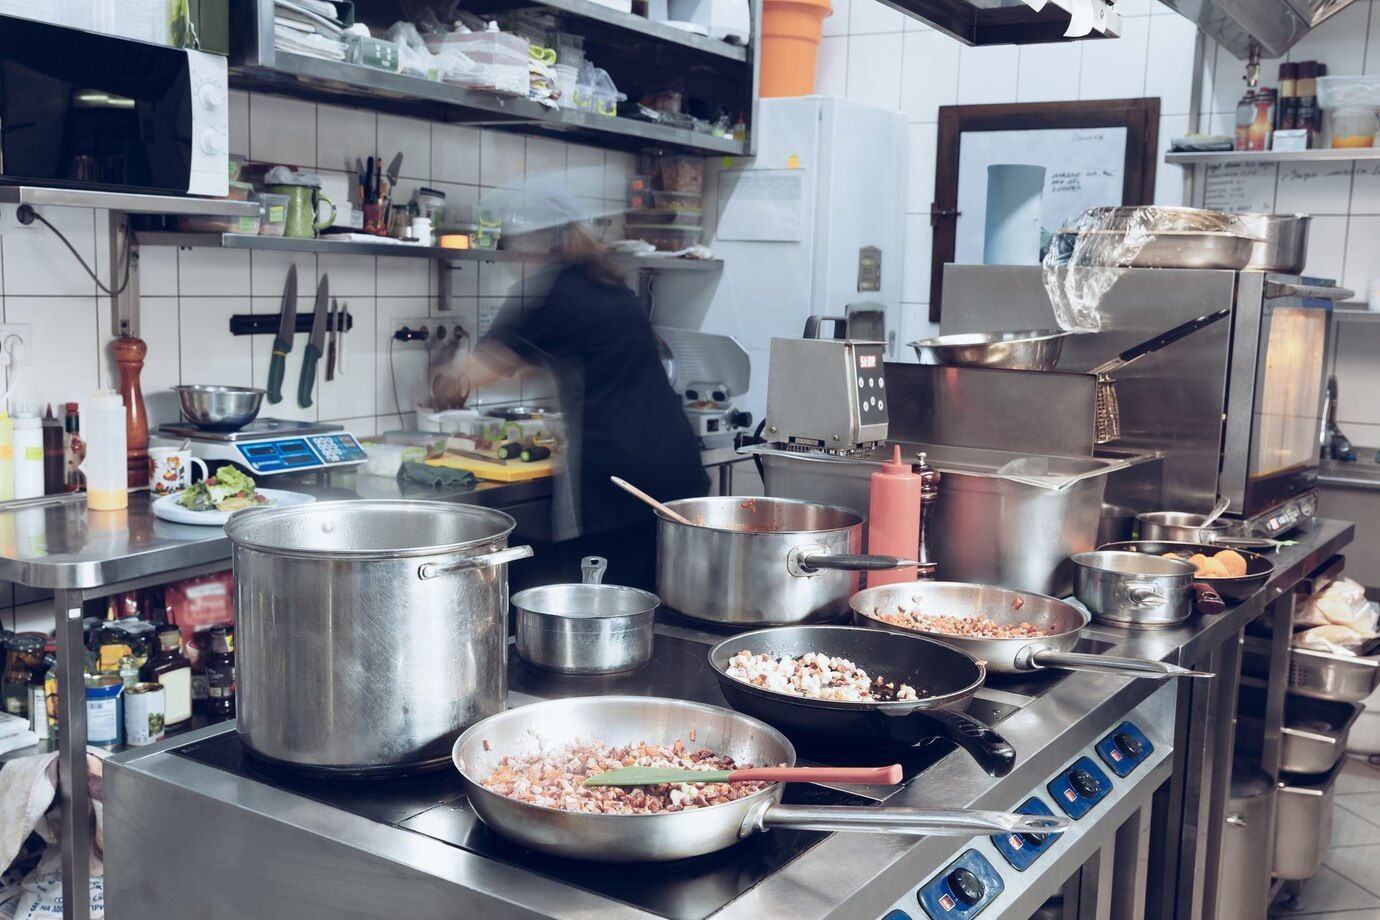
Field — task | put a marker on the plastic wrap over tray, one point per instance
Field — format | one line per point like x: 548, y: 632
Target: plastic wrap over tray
x: 1085, y: 260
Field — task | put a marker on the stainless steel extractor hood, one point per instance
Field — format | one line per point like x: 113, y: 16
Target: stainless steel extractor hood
x: 1015, y: 22
x: 1272, y: 25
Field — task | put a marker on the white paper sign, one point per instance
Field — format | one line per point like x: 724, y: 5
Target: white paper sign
x: 1084, y: 168
x: 761, y: 204
x: 1240, y: 186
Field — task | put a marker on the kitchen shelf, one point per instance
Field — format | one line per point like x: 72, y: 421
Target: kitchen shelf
x: 334, y: 80
x: 1320, y: 155
x: 1356, y: 316
x: 126, y: 202
x: 627, y: 22
x: 327, y: 246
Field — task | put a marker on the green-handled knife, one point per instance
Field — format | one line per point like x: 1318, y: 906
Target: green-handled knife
x: 282, y: 342
x: 316, y: 344
x: 652, y: 776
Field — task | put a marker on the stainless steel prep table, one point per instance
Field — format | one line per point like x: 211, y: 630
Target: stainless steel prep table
x: 264, y: 848
x: 59, y: 544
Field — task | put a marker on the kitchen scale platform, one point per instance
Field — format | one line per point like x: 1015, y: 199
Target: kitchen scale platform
x: 269, y: 445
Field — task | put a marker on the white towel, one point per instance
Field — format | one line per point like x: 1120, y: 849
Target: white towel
x: 12, y: 725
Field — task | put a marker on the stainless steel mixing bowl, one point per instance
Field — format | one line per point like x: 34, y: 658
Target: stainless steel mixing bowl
x: 217, y: 408
x: 1030, y: 350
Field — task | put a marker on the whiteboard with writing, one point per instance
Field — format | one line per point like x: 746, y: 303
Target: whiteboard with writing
x: 1084, y: 168
x: 1240, y: 186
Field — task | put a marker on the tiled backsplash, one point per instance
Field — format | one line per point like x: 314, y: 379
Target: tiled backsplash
x: 874, y: 54
x: 188, y: 296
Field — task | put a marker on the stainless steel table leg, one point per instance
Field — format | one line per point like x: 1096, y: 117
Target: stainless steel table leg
x: 72, y: 789
x: 725, y: 479
x: 1131, y: 868
x: 1222, y: 739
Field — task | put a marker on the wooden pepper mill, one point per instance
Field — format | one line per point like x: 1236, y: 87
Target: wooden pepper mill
x: 129, y: 357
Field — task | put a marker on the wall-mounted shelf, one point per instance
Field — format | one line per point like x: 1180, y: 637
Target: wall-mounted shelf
x: 297, y: 74
x: 325, y: 245
x: 1356, y: 315
x: 125, y: 202
x: 608, y: 17
x: 1320, y: 155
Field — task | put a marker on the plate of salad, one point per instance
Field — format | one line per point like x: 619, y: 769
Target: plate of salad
x: 212, y: 501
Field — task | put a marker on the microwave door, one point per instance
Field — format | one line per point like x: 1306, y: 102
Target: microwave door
x: 1289, y: 403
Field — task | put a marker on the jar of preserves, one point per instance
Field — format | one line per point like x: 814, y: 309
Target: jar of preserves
x: 169, y: 666
x: 23, y: 669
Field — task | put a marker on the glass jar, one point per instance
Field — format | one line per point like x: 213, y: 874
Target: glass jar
x: 171, y: 668
x: 220, y: 674
x: 23, y: 669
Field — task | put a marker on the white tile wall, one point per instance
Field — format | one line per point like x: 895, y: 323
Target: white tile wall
x: 189, y: 295
x: 871, y: 54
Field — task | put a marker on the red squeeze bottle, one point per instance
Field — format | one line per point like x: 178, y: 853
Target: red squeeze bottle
x: 893, y: 520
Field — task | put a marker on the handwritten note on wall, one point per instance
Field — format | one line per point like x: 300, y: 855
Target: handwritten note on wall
x: 1240, y: 186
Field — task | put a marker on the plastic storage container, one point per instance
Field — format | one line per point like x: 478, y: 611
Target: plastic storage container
x: 567, y: 78
x: 666, y: 237
x: 103, y: 430
x: 1354, y: 126
x: 500, y: 58
x: 273, y: 213
x: 28, y: 456
x: 683, y: 174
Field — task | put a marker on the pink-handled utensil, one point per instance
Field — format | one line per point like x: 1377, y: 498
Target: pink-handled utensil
x: 653, y: 776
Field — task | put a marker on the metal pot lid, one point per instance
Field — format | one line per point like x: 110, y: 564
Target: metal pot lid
x: 369, y: 529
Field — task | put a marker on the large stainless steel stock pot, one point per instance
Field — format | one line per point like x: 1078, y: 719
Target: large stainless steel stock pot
x: 369, y: 633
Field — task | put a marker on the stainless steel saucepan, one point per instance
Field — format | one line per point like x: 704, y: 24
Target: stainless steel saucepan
x: 1061, y: 621
x: 752, y: 562
x: 589, y: 628
x: 621, y: 720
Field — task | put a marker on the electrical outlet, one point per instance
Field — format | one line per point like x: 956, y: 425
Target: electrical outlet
x: 23, y: 347
x: 9, y: 220
x: 432, y: 329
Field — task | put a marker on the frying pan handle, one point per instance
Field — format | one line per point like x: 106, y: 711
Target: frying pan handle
x: 992, y: 752
x: 809, y: 560
x: 940, y: 822
x: 1030, y: 659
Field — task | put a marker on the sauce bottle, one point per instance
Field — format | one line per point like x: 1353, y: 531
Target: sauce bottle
x: 169, y: 666
x: 220, y: 674
x: 73, y: 450
x: 28, y: 456
x: 107, y: 476
x: 6, y: 457
x: 893, y: 520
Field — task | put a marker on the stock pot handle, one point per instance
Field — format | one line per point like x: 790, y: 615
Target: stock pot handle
x: 1031, y: 659
x: 903, y: 819
x: 809, y: 560
x: 487, y: 560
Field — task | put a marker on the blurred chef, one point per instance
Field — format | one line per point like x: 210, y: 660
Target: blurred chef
x: 622, y: 417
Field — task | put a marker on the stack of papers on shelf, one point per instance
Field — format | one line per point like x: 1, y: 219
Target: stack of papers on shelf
x: 308, y: 27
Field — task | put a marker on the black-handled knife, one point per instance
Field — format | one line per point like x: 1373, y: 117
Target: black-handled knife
x: 282, y: 342
x: 332, y: 336
x: 315, y: 344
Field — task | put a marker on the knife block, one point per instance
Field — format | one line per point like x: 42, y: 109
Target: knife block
x: 129, y: 357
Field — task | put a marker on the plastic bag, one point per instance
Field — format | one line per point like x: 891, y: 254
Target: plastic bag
x: 1085, y: 260
x: 413, y: 55
x: 1342, y: 603
x: 1332, y: 639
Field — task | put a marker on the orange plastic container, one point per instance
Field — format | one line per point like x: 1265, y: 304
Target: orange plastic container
x: 893, y: 518
x: 791, y: 33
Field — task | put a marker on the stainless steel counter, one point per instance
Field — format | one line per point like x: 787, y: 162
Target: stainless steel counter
x: 346, y: 865
x: 1362, y: 473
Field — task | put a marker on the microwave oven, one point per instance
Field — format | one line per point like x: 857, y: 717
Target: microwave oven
x: 84, y: 110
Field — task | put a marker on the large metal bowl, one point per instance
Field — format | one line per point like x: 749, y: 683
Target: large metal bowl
x: 1027, y: 350
x: 217, y: 408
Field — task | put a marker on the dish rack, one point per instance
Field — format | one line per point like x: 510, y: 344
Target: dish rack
x: 1317, y: 674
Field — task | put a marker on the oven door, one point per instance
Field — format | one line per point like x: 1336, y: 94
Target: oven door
x: 1290, y: 374
x: 84, y: 110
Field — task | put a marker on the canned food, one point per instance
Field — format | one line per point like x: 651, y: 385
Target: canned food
x: 104, y: 724
x: 144, y: 714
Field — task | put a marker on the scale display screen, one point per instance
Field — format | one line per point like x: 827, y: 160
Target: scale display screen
x: 278, y: 456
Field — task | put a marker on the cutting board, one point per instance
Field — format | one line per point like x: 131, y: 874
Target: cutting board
x: 495, y: 471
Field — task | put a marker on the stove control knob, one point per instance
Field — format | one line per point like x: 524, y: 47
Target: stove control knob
x: 1127, y: 744
x: 1084, y: 782
x: 1035, y: 840
x: 966, y: 886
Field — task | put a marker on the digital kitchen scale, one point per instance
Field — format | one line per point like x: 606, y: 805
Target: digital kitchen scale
x: 267, y: 446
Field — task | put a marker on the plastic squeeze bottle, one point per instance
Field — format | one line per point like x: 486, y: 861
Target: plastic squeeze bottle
x: 893, y: 519
x: 6, y: 457
x: 28, y: 456
x: 107, y: 478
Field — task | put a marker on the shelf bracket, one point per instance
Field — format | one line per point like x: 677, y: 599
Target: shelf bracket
x: 124, y: 306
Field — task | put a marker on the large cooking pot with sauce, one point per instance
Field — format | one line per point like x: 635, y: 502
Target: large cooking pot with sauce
x: 369, y: 633
x: 761, y: 561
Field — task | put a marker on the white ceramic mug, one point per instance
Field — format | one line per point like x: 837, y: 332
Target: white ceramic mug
x: 170, y: 469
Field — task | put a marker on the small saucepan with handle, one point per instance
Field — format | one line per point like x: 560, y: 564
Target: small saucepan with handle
x: 1060, y: 624
x: 671, y: 835
x: 1232, y: 587
x: 1138, y: 590
x: 945, y: 678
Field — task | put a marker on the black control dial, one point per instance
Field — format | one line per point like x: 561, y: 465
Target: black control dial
x: 1127, y: 744
x: 966, y: 886
x: 1035, y: 840
x: 1084, y: 782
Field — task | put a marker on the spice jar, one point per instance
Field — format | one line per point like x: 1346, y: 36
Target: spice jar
x: 171, y: 668
x: 23, y: 669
